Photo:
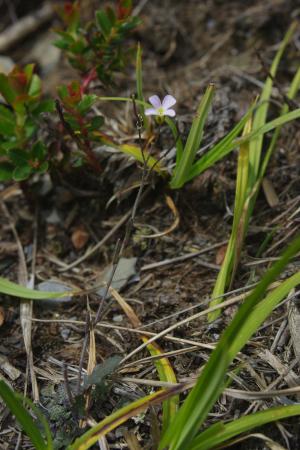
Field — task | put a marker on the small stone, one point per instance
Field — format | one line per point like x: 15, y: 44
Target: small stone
x: 118, y: 318
x: 6, y: 65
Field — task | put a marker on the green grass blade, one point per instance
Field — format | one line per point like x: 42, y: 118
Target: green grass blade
x: 213, y: 156
x: 279, y: 121
x: 120, y: 416
x: 220, y: 433
x: 123, y: 99
x: 193, y: 141
x: 193, y: 412
x: 166, y: 374
x: 220, y: 150
x: 232, y: 254
x: 261, y: 114
x: 261, y: 311
x: 40, y: 416
x: 9, y: 288
x: 136, y: 153
x: 294, y: 88
x: 23, y: 417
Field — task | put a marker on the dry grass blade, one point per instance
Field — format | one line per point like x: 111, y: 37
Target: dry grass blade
x: 25, y: 306
x: 131, y: 440
x: 163, y: 365
x: 174, y: 225
x: 123, y: 414
x: 294, y: 326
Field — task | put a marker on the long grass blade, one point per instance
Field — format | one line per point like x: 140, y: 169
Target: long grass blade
x: 194, y: 411
x: 261, y: 114
x: 221, y: 433
x: 16, y: 290
x: 23, y: 417
x: 218, y: 152
x: 294, y: 88
x: 193, y: 141
x: 122, y: 415
x: 238, y: 232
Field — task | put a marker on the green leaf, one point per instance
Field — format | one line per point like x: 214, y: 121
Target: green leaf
x: 43, y: 167
x: 22, y: 172
x: 35, y: 86
x: 28, y: 70
x: 129, y: 24
x: 103, y: 23
x: 96, y: 123
x: 7, y: 146
x: 43, y: 107
x: 23, y: 417
x: 111, y: 15
x: 85, y: 104
x: 101, y: 371
x: 63, y: 91
x: 6, y: 171
x: 39, y: 151
x: 126, y: 4
x: 16, y: 290
x: 66, y: 40
x: 62, y: 44
x: 133, y: 150
x: 193, y: 141
x: 6, y: 90
x: 7, y: 122
x: 18, y: 156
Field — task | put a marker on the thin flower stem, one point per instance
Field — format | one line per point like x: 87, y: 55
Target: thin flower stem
x: 83, y: 350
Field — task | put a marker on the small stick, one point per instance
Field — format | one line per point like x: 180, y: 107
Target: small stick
x: 67, y: 384
x: 25, y: 26
x: 83, y: 350
x: 115, y: 263
x: 130, y: 222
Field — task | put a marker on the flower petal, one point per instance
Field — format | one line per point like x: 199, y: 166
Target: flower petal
x: 170, y: 113
x: 168, y: 101
x: 155, y: 101
x: 151, y: 112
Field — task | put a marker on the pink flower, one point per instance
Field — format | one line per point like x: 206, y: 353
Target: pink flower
x: 161, y: 109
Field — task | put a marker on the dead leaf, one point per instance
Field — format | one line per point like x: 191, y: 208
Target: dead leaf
x: 270, y: 194
x: 2, y: 316
x: 221, y: 255
x: 79, y: 238
x: 125, y: 270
